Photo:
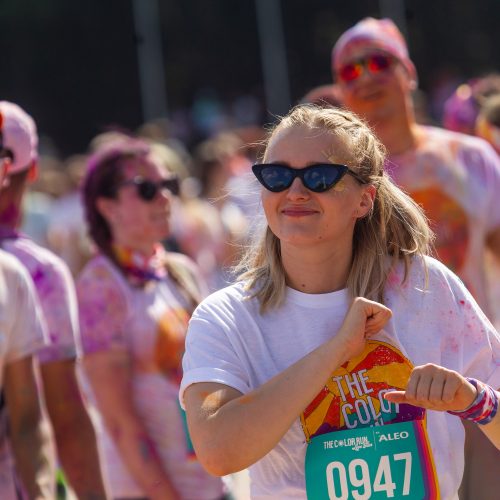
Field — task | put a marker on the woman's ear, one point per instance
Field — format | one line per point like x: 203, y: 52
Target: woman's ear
x: 366, y: 202
x: 106, y: 207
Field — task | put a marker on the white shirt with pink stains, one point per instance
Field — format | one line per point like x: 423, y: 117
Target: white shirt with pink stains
x: 56, y: 293
x: 456, y: 179
x: 150, y: 324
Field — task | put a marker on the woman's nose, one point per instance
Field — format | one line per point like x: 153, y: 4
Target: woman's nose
x: 297, y: 190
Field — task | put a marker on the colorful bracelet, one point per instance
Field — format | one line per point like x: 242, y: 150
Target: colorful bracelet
x: 483, y: 408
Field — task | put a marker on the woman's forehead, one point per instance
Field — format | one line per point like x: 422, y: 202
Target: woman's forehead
x: 143, y: 165
x: 324, y: 144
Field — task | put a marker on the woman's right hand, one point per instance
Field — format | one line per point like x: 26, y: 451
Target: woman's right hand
x: 363, y: 319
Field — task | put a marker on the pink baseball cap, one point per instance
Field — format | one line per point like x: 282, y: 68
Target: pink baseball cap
x: 18, y: 136
x: 381, y: 34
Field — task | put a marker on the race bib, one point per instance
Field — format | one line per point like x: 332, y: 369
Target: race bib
x: 362, y: 446
x: 391, y: 461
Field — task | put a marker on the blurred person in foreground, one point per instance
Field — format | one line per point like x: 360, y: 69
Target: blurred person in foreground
x: 341, y: 336
x: 454, y: 177
x: 135, y: 300
x: 27, y: 462
x: 73, y: 431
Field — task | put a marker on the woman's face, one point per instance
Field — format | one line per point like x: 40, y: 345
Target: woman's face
x: 298, y: 216
x: 135, y: 222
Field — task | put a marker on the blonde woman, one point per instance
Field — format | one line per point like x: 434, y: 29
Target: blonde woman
x: 331, y: 368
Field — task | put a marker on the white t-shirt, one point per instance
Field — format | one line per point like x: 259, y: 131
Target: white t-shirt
x: 150, y: 324
x: 56, y: 293
x: 22, y: 333
x: 230, y: 342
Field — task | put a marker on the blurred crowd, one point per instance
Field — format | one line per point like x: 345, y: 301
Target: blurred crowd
x: 199, y: 178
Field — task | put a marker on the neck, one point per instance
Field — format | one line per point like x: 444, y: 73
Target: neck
x: 398, y: 134
x: 10, y: 216
x: 312, y: 271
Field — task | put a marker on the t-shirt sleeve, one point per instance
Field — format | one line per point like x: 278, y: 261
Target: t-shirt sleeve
x: 102, y: 309
x: 58, y: 300
x: 28, y: 329
x: 211, y: 355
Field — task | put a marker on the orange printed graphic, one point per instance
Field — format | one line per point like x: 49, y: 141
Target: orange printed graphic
x: 169, y: 346
x: 450, y: 223
x: 353, y: 395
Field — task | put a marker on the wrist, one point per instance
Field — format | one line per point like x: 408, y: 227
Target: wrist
x: 484, y: 407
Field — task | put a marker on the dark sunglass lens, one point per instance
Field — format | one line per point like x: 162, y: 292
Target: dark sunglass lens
x: 147, y: 190
x: 350, y: 72
x: 276, y: 178
x: 378, y: 63
x: 321, y: 178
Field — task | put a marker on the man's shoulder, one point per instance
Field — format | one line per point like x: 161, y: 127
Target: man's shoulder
x: 451, y: 139
x: 36, y: 257
x: 10, y: 266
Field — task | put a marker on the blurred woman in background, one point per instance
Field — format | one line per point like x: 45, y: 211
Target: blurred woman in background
x: 135, y: 301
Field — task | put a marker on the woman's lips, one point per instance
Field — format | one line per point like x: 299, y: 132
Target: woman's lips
x: 298, y: 212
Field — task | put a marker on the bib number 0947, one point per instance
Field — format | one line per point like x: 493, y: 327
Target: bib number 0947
x: 357, y: 482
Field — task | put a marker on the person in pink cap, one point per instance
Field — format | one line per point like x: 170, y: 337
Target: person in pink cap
x: 455, y: 177
x: 72, y: 427
x: 22, y: 334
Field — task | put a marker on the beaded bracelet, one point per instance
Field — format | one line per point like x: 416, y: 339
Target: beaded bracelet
x: 483, y: 408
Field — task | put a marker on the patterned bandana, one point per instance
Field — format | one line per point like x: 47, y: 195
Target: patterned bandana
x: 138, y: 268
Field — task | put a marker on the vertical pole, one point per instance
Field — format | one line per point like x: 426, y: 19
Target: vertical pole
x: 273, y: 56
x: 395, y: 9
x: 150, y: 59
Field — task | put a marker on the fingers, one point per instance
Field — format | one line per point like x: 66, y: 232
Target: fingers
x: 395, y: 397
x: 376, y: 315
x: 436, y: 388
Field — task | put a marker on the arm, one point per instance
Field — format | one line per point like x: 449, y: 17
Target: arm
x: 436, y: 388
x: 217, y: 413
x: 29, y: 431
x: 73, y: 430
x: 109, y: 375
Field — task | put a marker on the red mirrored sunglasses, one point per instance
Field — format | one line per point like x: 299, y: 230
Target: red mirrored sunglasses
x: 375, y: 63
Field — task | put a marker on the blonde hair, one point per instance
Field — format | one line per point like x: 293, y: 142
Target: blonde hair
x: 395, y: 229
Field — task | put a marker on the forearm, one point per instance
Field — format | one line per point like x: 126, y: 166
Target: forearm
x: 139, y: 454
x: 77, y: 453
x: 35, y: 458
x: 264, y: 414
x: 73, y: 431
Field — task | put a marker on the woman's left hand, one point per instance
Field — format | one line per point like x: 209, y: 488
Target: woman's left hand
x: 435, y: 388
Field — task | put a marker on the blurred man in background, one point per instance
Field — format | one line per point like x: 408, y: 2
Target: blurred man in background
x: 73, y: 431
x: 455, y: 177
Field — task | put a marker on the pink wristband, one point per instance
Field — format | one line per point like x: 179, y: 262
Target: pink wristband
x: 483, y: 408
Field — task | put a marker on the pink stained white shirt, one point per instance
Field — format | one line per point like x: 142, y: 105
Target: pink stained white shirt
x: 150, y: 323
x: 56, y: 294
x: 456, y: 178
